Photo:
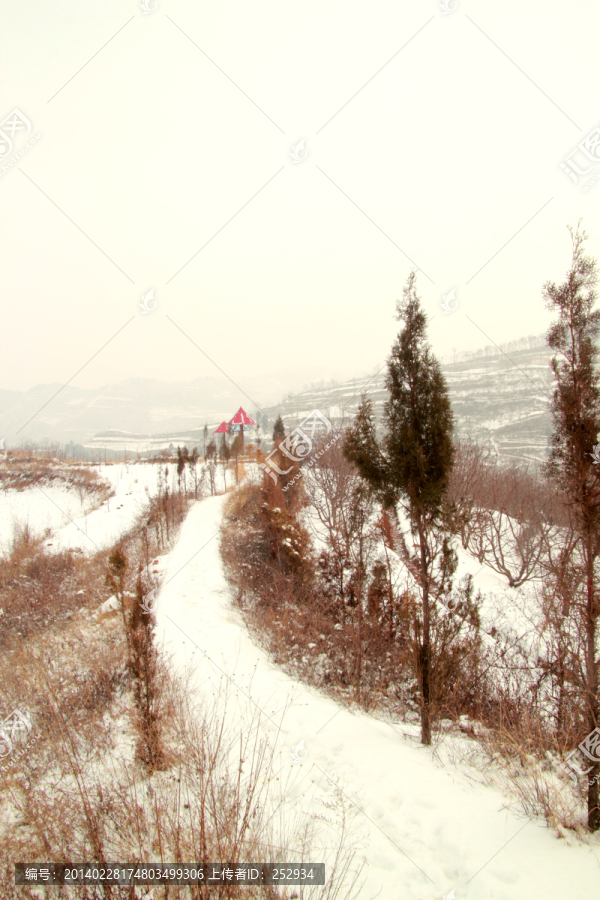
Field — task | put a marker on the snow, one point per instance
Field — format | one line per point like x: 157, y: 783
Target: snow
x: 109, y: 605
x: 74, y: 526
x: 46, y: 507
x: 105, y: 525
x: 427, y: 829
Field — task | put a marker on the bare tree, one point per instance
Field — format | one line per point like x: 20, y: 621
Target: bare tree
x: 345, y: 509
x: 512, y: 525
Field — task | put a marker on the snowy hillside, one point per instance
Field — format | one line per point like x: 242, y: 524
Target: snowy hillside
x: 497, y: 395
x: 501, y: 397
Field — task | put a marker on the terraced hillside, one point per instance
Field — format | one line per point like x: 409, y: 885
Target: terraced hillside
x: 502, y: 398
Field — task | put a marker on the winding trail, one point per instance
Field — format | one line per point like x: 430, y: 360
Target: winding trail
x: 424, y: 829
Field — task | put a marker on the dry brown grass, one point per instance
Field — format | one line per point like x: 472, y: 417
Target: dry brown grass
x: 80, y: 793
x: 536, y: 784
x: 22, y: 472
x: 39, y: 588
x: 282, y: 592
x: 80, y: 789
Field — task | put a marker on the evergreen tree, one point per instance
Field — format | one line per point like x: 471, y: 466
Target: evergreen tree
x: 224, y: 449
x: 572, y: 463
x: 180, y: 466
x: 236, y: 447
x: 278, y: 429
x: 225, y: 454
x: 413, y: 461
x: 192, y: 463
x: 211, y: 459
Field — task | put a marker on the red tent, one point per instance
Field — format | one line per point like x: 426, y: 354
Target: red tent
x: 241, y: 420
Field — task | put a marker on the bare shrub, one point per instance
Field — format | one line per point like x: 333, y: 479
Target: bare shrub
x: 345, y: 620
x: 215, y: 803
x: 124, y: 762
x: 505, y: 515
x: 148, y: 676
x: 39, y: 588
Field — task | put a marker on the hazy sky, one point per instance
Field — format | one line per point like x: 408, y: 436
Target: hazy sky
x: 164, y: 164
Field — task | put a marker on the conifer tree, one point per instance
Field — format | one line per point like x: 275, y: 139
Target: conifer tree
x: 572, y: 461
x: 236, y: 446
x: 412, y: 462
x: 225, y: 454
x: 192, y: 463
x: 278, y: 429
x: 180, y: 466
x: 211, y: 461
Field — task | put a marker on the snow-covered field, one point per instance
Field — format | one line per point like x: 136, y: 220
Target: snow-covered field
x: 424, y: 830
x: 40, y: 509
x: 73, y: 525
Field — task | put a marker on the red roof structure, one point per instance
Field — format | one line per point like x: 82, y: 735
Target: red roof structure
x: 240, y: 422
x: 241, y: 418
x: 222, y: 429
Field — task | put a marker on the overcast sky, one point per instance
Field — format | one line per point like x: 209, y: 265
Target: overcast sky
x: 164, y: 163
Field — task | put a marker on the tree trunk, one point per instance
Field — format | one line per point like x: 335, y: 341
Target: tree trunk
x: 561, y: 690
x: 425, y: 648
x: 167, y: 511
x: 591, y: 686
x: 359, y: 598
x: 359, y: 642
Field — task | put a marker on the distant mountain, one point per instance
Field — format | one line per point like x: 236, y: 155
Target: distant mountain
x: 138, y: 407
x: 499, y: 395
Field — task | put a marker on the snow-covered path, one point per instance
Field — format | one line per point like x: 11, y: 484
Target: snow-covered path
x: 428, y: 829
